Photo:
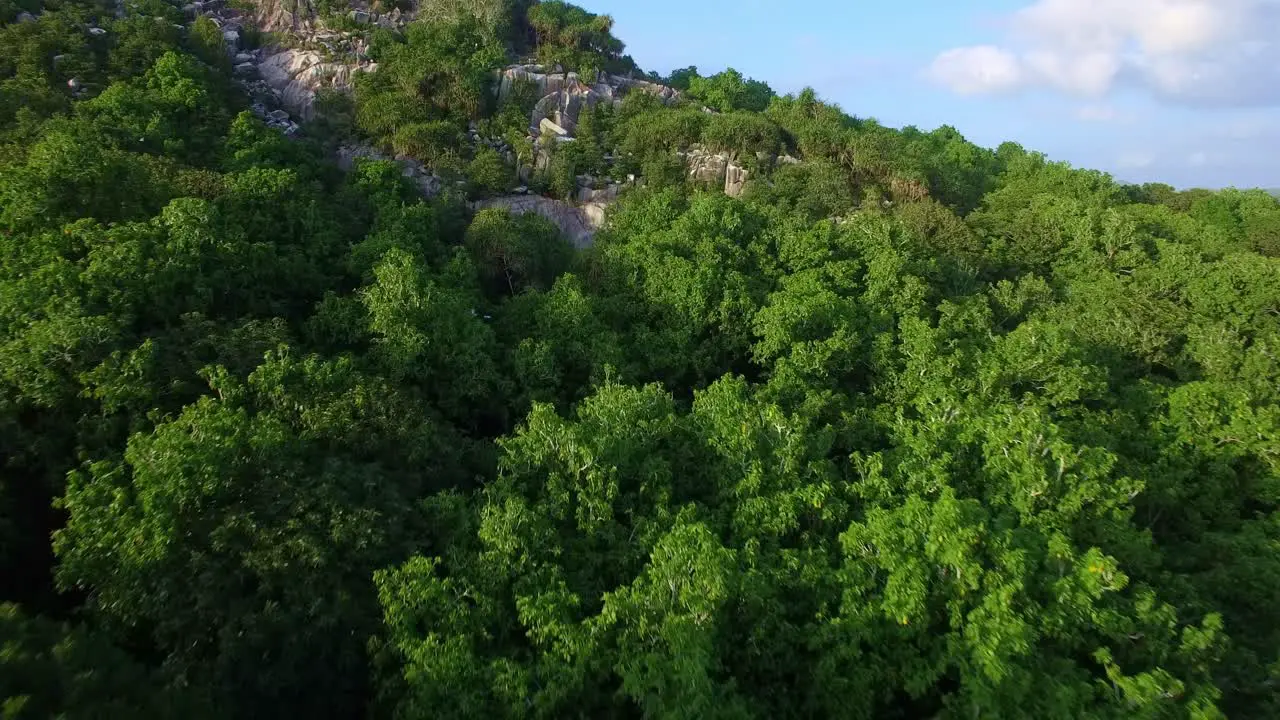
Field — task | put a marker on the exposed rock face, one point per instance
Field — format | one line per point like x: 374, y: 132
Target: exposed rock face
x: 735, y: 180
x: 546, y: 83
x: 289, y: 78
x: 349, y: 154
x: 565, y: 95
x: 297, y: 16
x: 549, y: 126
x: 428, y: 183
x: 717, y: 170
x: 578, y: 223
x: 707, y: 168
x: 296, y: 75
x: 605, y: 196
x: 549, y: 81
x: 563, y: 107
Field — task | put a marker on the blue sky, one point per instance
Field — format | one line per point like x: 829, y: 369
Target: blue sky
x: 1179, y: 91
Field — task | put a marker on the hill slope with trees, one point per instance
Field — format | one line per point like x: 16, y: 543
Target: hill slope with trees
x: 910, y: 428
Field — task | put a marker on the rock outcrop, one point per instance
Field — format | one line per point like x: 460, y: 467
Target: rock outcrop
x: 429, y: 184
x: 735, y: 180
x: 578, y: 223
x: 296, y: 75
x: 564, y: 95
x: 717, y: 169
x: 283, y: 82
x: 296, y: 16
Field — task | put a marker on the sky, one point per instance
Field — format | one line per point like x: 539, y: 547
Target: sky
x: 1185, y: 92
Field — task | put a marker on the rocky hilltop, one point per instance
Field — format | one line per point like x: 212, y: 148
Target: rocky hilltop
x: 564, y: 95
x: 307, y: 57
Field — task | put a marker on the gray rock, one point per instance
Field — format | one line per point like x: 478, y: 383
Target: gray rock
x: 716, y: 170
x: 26, y: 17
x: 735, y: 180
x: 360, y: 16
x: 244, y: 58
x: 97, y: 31
x: 278, y: 115
x: 707, y: 168
x: 191, y: 11
x: 232, y: 39
x: 295, y: 76
x: 607, y: 195
x: 578, y: 223
x: 246, y: 68
x: 429, y: 185
x: 548, y: 127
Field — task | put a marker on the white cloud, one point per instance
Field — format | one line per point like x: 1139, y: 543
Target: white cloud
x: 978, y: 70
x: 1205, y: 158
x: 1135, y: 160
x: 1224, y: 52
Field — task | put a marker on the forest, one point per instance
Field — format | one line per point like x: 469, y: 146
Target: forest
x: 907, y: 428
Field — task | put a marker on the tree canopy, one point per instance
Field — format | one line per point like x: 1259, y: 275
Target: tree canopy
x: 910, y: 428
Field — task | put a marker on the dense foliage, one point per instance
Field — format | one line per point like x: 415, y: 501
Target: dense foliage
x: 913, y: 428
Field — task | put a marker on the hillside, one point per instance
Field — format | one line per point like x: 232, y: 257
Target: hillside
x: 435, y: 360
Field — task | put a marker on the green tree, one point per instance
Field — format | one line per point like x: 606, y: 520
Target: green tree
x: 517, y: 252
x: 682, y: 78
x: 573, y: 38
x: 490, y: 174
x: 53, y: 670
x: 438, y: 72
x: 427, y: 330
x: 562, y: 346
x: 729, y: 90
x: 240, y: 536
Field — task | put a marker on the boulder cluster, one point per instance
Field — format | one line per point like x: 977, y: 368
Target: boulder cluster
x: 391, y: 20
x: 497, y: 144
x: 283, y: 83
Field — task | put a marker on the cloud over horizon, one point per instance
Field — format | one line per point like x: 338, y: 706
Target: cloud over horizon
x: 1193, y: 52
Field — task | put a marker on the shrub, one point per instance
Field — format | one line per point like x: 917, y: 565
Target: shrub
x: 489, y: 173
